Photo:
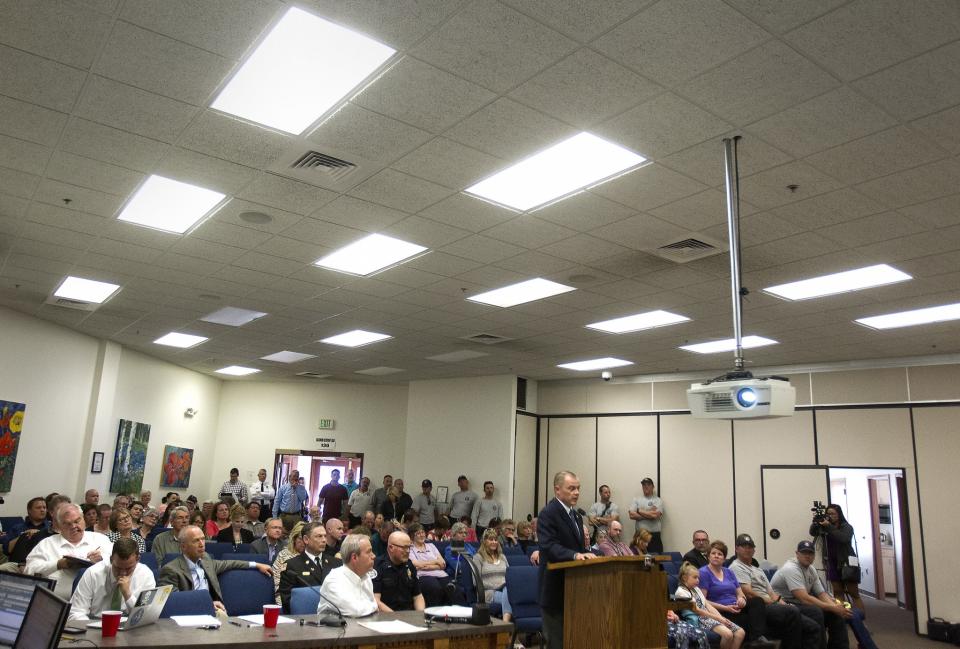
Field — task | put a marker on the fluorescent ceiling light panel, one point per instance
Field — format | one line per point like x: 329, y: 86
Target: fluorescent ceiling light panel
x: 850, y: 280
x: 233, y: 316
x: 638, y: 322
x: 578, y: 162
x: 456, y: 357
x: 85, y: 290
x: 715, y: 346
x: 595, y: 364
x: 379, y: 371
x: 287, y: 357
x: 303, y: 67
x: 528, y: 291
x: 174, y: 339
x: 370, y: 254
x: 237, y: 370
x: 355, y: 338
x: 929, y: 315
x: 169, y: 205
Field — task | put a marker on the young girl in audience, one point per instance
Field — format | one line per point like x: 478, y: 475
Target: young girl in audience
x: 731, y: 635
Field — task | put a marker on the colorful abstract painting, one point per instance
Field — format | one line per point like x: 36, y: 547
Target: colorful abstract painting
x: 11, y: 423
x: 131, y: 457
x: 177, y: 462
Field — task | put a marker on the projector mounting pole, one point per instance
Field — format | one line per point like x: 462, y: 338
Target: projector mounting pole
x: 732, y: 183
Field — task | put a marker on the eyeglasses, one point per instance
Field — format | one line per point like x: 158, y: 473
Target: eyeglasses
x: 402, y: 547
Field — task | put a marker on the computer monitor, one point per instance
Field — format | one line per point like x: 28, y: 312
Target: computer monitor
x: 44, y: 621
x: 16, y: 591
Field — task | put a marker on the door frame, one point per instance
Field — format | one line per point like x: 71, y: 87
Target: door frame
x: 763, y: 493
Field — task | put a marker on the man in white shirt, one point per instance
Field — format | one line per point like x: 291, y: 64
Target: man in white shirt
x: 113, y: 586
x: 56, y: 556
x: 263, y: 493
x: 349, y: 588
x: 359, y: 501
x: 461, y: 503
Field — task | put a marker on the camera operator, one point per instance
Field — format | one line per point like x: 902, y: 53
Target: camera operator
x: 838, y: 548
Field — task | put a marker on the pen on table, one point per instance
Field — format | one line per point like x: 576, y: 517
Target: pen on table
x: 234, y: 623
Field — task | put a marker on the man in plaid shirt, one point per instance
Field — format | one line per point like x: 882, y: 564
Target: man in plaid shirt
x: 235, y: 488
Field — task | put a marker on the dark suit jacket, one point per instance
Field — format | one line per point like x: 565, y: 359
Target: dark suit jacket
x: 697, y: 559
x: 226, y: 536
x: 559, y: 540
x: 260, y: 546
x: 300, y: 572
x: 177, y: 574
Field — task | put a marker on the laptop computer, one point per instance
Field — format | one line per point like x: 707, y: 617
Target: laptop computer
x: 16, y: 591
x: 43, y: 622
x: 146, y: 611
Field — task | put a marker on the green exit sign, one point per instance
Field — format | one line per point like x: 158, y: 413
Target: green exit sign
x: 326, y: 424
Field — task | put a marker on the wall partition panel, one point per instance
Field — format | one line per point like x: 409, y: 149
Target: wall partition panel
x: 782, y: 441
x: 524, y: 459
x: 696, y: 479
x: 544, y: 491
x: 876, y: 437
x: 938, y: 447
x: 626, y: 453
x: 573, y: 447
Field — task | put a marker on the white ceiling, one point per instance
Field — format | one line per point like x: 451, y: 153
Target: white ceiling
x: 857, y: 103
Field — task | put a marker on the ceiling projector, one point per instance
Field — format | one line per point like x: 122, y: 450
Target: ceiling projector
x: 739, y: 395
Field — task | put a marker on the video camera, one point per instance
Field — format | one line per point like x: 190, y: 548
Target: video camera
x: 819, y: 512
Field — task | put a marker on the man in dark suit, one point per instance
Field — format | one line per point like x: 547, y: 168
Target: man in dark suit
x: 195, y: 570
x: 310, y: 567
x: 560, y: 533
x: 272, y: 540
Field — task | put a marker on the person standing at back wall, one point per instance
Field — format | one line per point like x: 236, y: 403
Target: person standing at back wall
x: 647, y: 511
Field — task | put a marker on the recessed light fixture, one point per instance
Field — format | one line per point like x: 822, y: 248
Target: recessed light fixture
x: 287, y: 357
x: 370, y: 254
x: 928, y: 315
x: 237, y: 370
x: 715, y: 346
x: 379, y: 371
x: 169, y: 205
x: 595, y: 364
x: 522, y: 292
x: 303, y: 67
x: 355, y: 338
x: 85, y: 290
x: 581, y: 161
x: 850, y: 280
x: 232, y: 316
x: 638, y: 322
x: 174, y: 339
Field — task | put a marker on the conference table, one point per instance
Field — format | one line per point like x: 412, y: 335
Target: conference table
x: 165, y: 634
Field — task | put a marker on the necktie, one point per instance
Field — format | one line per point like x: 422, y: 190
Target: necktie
x: 117, y: 600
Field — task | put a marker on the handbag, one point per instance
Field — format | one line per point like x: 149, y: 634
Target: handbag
x: 940, y: 629
x: 850, y: 572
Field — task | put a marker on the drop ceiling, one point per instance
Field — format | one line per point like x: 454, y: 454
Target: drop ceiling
x: 856, y: 104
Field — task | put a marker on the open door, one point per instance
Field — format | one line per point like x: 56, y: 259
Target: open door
x: 788, y: 495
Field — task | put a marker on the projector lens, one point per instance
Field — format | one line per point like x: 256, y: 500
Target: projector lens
x: 746, y: 397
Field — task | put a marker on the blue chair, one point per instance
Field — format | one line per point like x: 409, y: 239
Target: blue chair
x: 154, y: 533
x: 188, y: 602
x: 672, y: 582
x: 227, y: 550
x: 522, y: 589
x: 304, y: 601
x: 676, y: 556
x: 463, y: 579
x: 215, y: 549
x: 246, y: 591
x: 168, y: 557
x: 149, y: 560
x: 670, y: 567
x: 247, y: 556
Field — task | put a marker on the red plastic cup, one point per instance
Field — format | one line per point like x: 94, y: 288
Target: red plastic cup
x: 271, y: 612
x: 109, y: 623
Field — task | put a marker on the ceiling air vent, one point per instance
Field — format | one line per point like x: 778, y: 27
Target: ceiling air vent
x: 486, y: 339
x: 335, y: 168
x: 312, y: 375
x: 690, y: 248
x: 67, y: 303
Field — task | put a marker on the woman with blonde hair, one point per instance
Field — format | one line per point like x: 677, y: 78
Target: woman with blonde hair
x: 294, y: 547
x: 121, y: 527
x: 731, y: 635
x: 492, y: 567
x: 236, y: 533
x: 391, y: 506
x: 640, y: 542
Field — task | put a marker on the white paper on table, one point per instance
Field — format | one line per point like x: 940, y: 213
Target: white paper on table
x: 196, y: 620
x: 257, y: 619
x: 393, y: 626
x: 449, y: 611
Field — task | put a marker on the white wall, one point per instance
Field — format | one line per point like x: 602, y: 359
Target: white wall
x: 257, y: 418
x: 462, y: 426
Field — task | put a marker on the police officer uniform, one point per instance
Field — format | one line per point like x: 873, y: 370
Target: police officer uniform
x: 397, y: 585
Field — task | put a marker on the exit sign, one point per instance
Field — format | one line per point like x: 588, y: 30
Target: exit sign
x: 326, y: 424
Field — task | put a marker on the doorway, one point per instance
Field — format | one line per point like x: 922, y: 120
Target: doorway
x: 315, y: 468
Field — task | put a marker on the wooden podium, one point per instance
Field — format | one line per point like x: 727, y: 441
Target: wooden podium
x: 613, y: 602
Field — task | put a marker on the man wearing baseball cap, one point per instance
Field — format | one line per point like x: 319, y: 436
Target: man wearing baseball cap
x: 797, y: 583
x: 425, y: 504
x: 647, y: 510
x: 784, y: 620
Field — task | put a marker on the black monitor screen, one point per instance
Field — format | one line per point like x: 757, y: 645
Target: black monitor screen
x: 43, y: 623
x: 16, y: 591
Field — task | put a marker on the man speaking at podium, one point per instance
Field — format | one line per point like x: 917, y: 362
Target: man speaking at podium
x: 560, y: 530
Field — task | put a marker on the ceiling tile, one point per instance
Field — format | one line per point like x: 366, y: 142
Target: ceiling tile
x: 770, y: 188
x: 426, y: 232
x: 399, y: 191
x: 468, y: 212
x: 361, y: 132
x: 203, y: 170
x: 39, y: 80
x: 939, y: 213
x: 213, y: 230
x: 582, y: 20
x: 111, y: 145
x: 876, y: 155
x: 493, y: 45
x: 827, y: 209
x: 656, y: 42
x: 509, y: 130
x: 915, y: 185
x: 698, y: 211
x: 641, y: 232
x: 54, y: 192
x: 870, y: 229
x: 323, y: 233
x: 585, y: 88
x: 584, y: 211
x: 704, y: 162
x: 782, y: 16
x: 529, y: 231
x: 867, y: 35
x: 286, y: 194
x: 649, y: 187
x: 30, y: 122
x: 398, y: 23
x: 355, y: 213
x: 441, y: 263
x: 583, y: 249
x: 62, y: 217
x: 759, y: 83
x: 536, y: 264
x: 419, y: 94
x: 85, y: 172
x: 448, y: 163
x: 232, y: 139
x: 60, y: 31
x: 482, y: 249
x: 943, y: 128
x: 23, y: 156
x: 662, y: 126
x: 232, y: 211
x: 288, y: 248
